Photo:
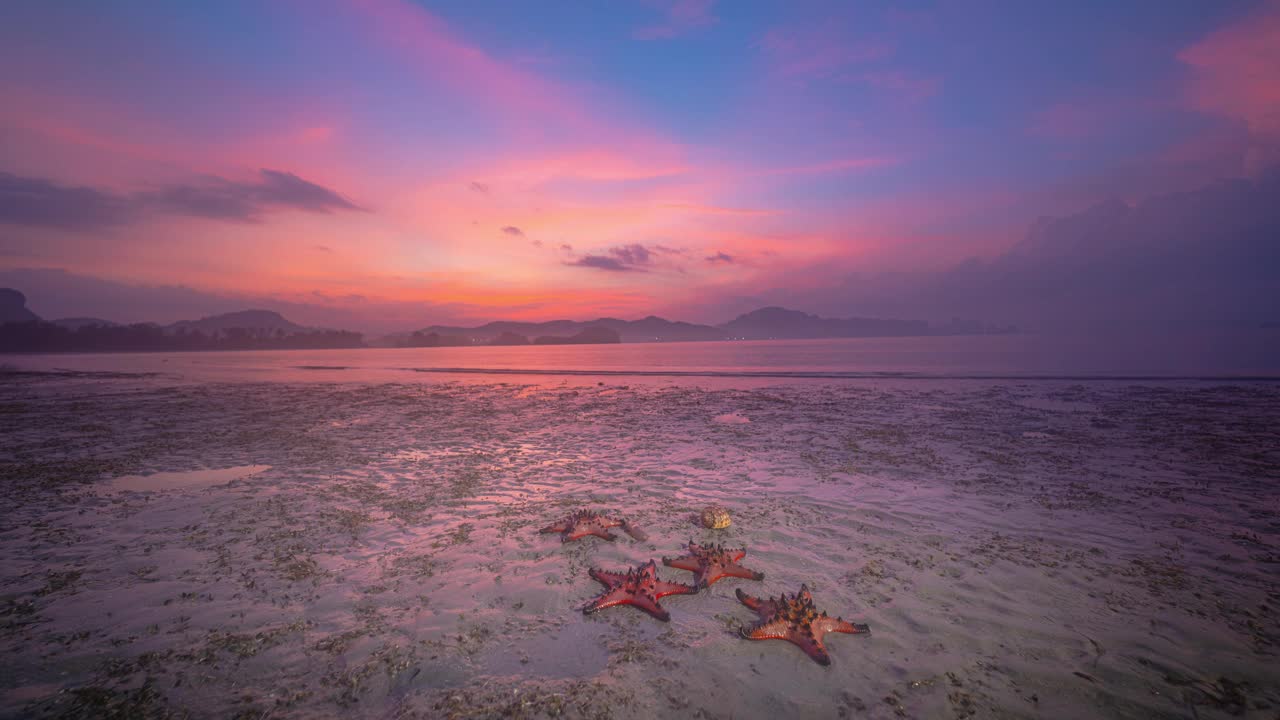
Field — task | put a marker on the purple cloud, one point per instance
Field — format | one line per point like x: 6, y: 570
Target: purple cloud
x: 623, y: 258
x: 220, y: 199
x: 44, y: 203
x: 634, y: 254
x: 603, y: 262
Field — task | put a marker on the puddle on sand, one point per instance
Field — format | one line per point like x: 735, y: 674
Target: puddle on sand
x: 181, y: 480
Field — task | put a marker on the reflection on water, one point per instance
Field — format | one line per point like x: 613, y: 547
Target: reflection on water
x: 182, y: 480
x: 1236, y: 354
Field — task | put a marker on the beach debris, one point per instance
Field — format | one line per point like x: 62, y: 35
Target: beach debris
x: 796, y: 620
x: 639, y: 587
x: 585, y: 522
x: 715, y: 517
x: 709, y: 563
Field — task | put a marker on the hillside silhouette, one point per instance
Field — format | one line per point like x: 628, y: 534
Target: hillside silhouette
x: 22, y: 330
x: 247, y: 330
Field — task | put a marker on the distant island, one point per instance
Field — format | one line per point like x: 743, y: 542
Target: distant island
x: 770, y: 323
x: 594, y: 335
x: 588, y: 336
x: 21, y: 330
x: 24, y: 331
x: 650, y: 329
x: 776, y: 323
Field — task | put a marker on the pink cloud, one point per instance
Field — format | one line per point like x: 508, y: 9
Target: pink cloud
x: 715, y: 210
x: 911, y: 20
x: 443, y: 57
x: 1094, y: 115
x: 315, y: 134
x: 576, y: 131
x: 833, y: 166
x: 817, y: 53
x: 584, y: 163
x: 907, y: 86
x: 682, y: 16
x: 1235, y: 71
x: 1065, y: 121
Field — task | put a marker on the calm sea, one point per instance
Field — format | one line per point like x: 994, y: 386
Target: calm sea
x: 1226, y: 355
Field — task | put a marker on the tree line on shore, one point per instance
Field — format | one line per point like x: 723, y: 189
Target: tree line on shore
x: 41, y: 336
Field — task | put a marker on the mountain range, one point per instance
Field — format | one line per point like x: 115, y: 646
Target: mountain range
x: 762, y: 324
x: 650, y: 329
x: 779, y: 323
x: 267, y: 320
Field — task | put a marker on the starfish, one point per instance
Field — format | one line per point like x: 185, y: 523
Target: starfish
x: 638, y: 587
x: 796, y: 619
x: 584, y: 522
x: 709, y: 563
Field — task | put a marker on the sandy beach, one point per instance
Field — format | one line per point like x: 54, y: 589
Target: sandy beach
x: 292, y: 549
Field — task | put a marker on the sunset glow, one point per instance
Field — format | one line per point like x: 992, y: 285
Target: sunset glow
x: 409, y: 162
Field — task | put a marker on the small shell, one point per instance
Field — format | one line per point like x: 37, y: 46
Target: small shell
x: 715, y: 517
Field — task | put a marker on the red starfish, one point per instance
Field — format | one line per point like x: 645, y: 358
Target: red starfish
x: 638, y: 587
x: 711, y: 563
x: 584, y: 522
x: 796, y: 619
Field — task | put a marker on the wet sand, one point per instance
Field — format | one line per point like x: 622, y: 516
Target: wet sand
x: 1033, y: 549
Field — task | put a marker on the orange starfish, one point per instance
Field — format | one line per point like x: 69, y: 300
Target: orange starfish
x: 584, y: 522
x: 712, y: 562
x: 796, y: 619
x: 638, y: 587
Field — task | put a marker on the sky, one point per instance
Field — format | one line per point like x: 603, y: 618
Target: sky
x: 390, y: 164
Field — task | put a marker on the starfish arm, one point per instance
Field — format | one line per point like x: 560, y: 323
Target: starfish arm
x: 736, y: 570
x: 610, y: 598
x: 736, y: 555
x: 651, y: 606
x: 607, y: 577
x: 783, y: 630
x: 556, y: 528
x: 687, y: 562
x: 775, y: 630
x: 634, y: 531
x: 804, y: 595
x: 826, y: 624
x: 760, y: 605
x: 579, y: 533
x: 663, y: 588
x: 814, y: 649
